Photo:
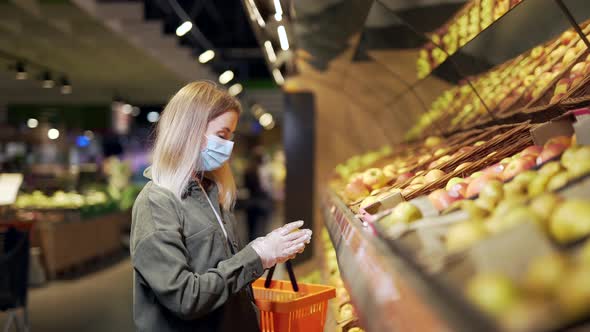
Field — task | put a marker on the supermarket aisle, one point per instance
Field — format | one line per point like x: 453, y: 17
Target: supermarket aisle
x: 98, y: 302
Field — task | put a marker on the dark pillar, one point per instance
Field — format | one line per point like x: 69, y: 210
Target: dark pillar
x: 299, y: 141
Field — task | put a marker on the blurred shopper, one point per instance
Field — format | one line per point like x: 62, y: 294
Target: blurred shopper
x: 259, y: 203
x: 190, y: 272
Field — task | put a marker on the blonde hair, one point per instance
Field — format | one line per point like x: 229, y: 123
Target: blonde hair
x: 179, y: 136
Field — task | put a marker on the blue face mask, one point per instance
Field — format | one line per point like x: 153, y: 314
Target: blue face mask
x: 217, y: 152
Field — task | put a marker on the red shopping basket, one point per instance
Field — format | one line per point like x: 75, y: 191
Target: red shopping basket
x: 288, y: 307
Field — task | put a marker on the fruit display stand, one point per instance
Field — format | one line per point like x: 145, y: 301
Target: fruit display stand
x: 72, y: 241
x: 388, y: 290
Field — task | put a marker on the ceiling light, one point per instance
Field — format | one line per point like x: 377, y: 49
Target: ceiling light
x: 265, y: 119
x: 21, y: 71
x: 270, y: 126
x: 32, y: 123
x: 278, y: 10
x: 235, y: 89
x: 257, y: 110
x: 127, y: 109
x: 136, y: 110
x: 53, y: 133
x: 184, y: 28
x: 272, y: 57
x: 278, y: 76
x: 153, y: 117
x: 48, y: 82
x: 66, y: 87
x: 226, y: 77
x: 206, y: 56
x: 255, y: 14
x: 283, y: 37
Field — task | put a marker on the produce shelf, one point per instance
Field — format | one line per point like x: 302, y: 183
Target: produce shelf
x: 390, y: 291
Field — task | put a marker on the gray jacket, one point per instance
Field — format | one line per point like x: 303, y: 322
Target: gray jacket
x: 186, y: 277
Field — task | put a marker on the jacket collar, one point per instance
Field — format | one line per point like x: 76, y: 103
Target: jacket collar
x: 191, y: 188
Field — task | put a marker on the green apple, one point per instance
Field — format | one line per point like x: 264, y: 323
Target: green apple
x: 570, y: 220
x: 577, y: 160
x: 584, y: 253
x: 406, y: 212
x: 538, y: 185
x: 544, y: 274
x: 573, y: 294
x: 485, y: 204
x: 493, y: 293
x: 544, y: 205
x: 492, y: 191
x: 525, y: 177
x: 507, y: 205
x: 514, y: 189
x: 463, y: 235
x: 516, y: 216
x: 550, y: 168
x: 558, y: 180
x: 374, y: 178
x: 472, y: 209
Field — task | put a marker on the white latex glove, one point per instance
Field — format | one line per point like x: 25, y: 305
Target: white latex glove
x: 281, y: 244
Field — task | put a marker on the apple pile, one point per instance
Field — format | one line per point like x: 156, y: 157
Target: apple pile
x: 490, y: 180
x: 403, y: 213
x: 553, y: 289
x: 526, y: 76
x: 473, y: 19
x: 356, y: 163
x: 576, y: 74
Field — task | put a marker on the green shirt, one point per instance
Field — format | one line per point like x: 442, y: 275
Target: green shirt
x: 185, y: 275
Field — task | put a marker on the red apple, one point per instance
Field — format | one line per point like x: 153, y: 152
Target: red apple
x: 562, y: 86
x: 356, y: 190
x: 495, y: 169
x: 478, y: 183
x: 441, y: 199
x: 460, y: 189
x: 433, y: 175
x: 567, y: 37
x: 518, y: 166
x: 550, y: 151
x: 404, y: 177
x: 534, y: 151
x: 563, y: 140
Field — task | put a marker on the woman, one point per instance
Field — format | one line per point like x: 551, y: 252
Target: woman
x: 190, y: 272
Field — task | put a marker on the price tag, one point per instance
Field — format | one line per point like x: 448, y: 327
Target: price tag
x: 9, y: 185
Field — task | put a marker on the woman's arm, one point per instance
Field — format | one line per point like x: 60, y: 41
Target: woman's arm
x: 161, y: 260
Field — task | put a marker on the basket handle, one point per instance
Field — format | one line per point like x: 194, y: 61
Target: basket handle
x: 271, y: 271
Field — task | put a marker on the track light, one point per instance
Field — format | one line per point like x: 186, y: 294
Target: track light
x: 206, y: 56
x: 184, y: 28
x: 48, y: 82
x: 226, y: 77
x: 66, y: 87
x: 283, y: 37
x: 21, y: 71
x: 278, y: 10
x: 272, y: 57
x: 278, y: 76
x: 235, y: 89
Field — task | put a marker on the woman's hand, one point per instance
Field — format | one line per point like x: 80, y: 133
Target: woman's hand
x: 281, y: 244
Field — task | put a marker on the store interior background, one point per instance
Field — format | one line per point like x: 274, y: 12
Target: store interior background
x: 346, y: 83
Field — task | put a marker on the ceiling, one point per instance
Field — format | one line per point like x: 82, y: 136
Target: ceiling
x: 106, y: 49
